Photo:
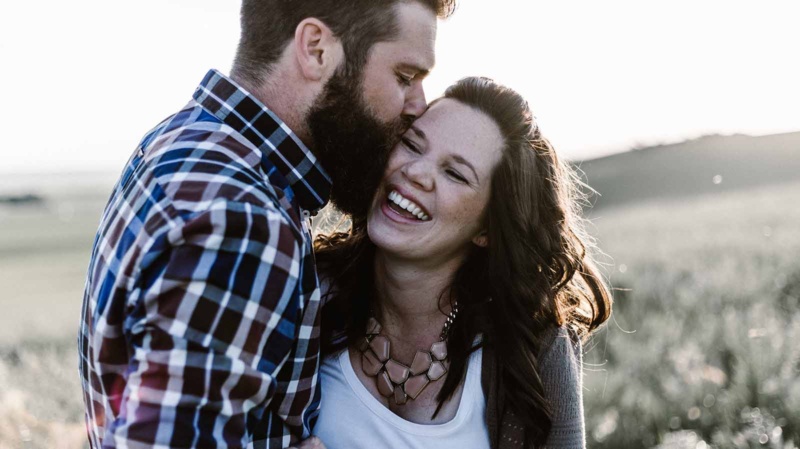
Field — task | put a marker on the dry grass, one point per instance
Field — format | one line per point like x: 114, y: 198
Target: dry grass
x: 706, y: 325
x: 40, y: 405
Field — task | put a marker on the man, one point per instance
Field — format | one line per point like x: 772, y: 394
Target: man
x: 200, y: 317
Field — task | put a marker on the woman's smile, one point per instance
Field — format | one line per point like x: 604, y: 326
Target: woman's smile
x: 406, y: 207
x: 402, y: 207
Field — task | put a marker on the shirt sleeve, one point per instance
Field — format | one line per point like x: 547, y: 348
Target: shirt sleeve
x: 215, y: 321
x: 561, y: 372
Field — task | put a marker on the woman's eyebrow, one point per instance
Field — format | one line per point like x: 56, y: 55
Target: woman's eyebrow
x: 419, y: 132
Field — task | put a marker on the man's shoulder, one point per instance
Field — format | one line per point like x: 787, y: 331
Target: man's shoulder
x: 196, y: 159
x: 194, y: 140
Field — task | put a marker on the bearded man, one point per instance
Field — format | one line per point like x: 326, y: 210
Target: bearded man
x: 201, y: 310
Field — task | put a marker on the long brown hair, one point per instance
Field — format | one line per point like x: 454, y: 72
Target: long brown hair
x: 535, y: 273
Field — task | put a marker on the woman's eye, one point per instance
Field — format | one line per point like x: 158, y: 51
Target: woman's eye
x: 410, y: 145
x: 457, y: 176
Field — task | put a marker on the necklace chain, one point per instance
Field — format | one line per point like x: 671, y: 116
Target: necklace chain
x: 449, y: 321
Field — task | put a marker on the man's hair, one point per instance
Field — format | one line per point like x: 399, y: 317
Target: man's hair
x: 268, y: 25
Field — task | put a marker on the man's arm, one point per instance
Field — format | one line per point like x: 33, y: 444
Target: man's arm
x: 217, y: 319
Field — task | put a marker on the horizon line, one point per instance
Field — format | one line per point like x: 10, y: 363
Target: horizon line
x: 109, y: 171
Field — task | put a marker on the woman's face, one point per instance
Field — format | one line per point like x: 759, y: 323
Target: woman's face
x: 436, y: 186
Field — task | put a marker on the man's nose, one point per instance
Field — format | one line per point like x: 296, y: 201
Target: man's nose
x: 415, y: 101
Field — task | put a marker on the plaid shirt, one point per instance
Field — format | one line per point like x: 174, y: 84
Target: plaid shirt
x: 200, y: 319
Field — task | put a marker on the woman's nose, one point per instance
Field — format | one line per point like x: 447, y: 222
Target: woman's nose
x: 419, y: 173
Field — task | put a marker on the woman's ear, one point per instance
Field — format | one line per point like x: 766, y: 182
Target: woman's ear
x: 481, y: 239
x: 318, y: 51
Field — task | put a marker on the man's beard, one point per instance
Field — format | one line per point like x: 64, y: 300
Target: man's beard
x: 351, y: 143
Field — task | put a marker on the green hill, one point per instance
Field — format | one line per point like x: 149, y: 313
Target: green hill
x: 710, y: 164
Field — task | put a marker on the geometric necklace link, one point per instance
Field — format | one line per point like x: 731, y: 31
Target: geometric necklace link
x: 394, y: 379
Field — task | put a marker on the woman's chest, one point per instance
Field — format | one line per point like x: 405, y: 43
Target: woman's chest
x: 352, y: 416
x: 418, y: 410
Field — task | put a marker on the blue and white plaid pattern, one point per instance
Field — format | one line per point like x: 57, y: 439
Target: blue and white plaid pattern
x: 200, y: 322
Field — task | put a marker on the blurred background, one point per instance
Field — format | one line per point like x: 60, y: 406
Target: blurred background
x: 683, y: 116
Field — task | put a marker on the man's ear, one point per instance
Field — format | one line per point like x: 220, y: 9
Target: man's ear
x: 481, y: 239
x: 318, y: 51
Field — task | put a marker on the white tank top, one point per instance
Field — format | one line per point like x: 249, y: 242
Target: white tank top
x: 351, y: 418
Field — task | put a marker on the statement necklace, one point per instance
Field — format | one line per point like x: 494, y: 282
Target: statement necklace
x: 395, y: 379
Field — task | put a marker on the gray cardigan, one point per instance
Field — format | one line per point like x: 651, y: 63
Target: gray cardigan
x: 560, y: 364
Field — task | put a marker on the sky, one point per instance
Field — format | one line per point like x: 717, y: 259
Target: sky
x: 82, y: 81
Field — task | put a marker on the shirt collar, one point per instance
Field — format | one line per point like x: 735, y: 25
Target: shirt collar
x: 237, y: 108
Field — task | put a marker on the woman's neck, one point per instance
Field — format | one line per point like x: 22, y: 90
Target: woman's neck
x: 412, y: 298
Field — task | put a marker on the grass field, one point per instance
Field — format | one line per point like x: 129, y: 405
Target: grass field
x: 44, y: 252
x: 704, y: 347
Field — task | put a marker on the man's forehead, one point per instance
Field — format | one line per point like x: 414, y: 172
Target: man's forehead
x: 404, y: 56
x: 416, y: 39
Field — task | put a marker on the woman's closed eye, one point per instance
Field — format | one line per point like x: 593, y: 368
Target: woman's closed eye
x: 408, y: 143
x: 456, y: 175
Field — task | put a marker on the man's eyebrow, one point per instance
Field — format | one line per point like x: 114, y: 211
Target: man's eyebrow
x: 421, y: 72
x: 463, y: 161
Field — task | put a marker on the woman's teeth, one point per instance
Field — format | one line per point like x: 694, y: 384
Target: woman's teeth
x: 408, y: 205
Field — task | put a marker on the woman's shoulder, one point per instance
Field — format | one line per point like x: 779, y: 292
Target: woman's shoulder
x: 560, y: 344
x: 556, y: 343
x: 560, y: 358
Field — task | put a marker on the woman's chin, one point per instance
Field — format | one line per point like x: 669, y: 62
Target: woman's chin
x: 387, y: 238
x: 380, y: 232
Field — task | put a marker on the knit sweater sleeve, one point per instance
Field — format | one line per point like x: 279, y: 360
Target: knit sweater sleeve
x: 561, y: 373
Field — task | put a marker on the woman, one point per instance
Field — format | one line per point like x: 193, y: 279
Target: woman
x: 456, y: 309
